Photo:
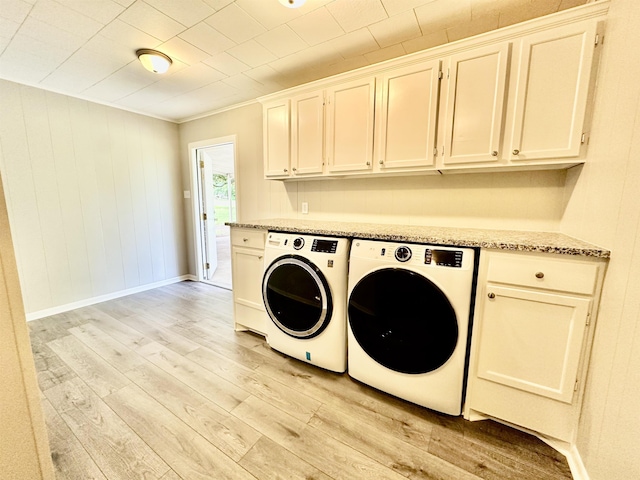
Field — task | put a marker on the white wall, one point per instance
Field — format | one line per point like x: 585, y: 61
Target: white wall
x: 520, y: 200
x: 604, y: 208
x: 94, y: 196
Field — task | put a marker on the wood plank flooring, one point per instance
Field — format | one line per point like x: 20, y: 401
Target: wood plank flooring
x: 158, y: 385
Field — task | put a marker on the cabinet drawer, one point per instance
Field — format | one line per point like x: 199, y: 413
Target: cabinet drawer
x: 248, y: 238
x: 548, y: 274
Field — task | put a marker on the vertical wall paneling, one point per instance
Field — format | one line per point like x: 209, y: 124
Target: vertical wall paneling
x: 139, y: 199
x: 93, y: 194
x: 603, y: 207
x: 21, y: 195
x: 123, y: 197
x: 154, y: 213
x: 103, y: 164
x: 84, y: 142
x: 69, y: 196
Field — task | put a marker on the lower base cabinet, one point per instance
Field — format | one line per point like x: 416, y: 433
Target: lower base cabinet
x: 247, y: 258
x: 531, y: 339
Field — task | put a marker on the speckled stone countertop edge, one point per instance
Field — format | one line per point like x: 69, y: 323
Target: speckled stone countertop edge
x: 510, y: 240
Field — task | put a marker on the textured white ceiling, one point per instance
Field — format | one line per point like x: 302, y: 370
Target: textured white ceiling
x: 226, y: 52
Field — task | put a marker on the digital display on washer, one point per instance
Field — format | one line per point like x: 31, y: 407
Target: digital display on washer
x: 446, y: 258
x: 324, y: 246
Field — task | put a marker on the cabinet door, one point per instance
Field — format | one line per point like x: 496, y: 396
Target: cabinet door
x: 248, y: 268
x: 407, y: 116
x: 350, y: 126
x: 553, y: 77
x: 474, y: 107
x: 307, y: 133
x: 276, y: 139
x: 532, y: 341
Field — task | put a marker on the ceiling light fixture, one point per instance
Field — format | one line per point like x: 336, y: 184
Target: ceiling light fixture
x: 292, y: 3
x: 154, y: 61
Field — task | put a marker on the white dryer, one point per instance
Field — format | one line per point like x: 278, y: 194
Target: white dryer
x: 408, y: 320
x: 304, y: 289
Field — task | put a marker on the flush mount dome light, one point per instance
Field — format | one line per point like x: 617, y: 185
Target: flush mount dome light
x: 154, y: 61
x: 292, y: 3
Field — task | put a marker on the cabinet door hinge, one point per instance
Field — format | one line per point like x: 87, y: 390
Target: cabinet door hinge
x: 440, y: 75
x: 435, y: 152
x: 447, y: 74
x: 588, y: 319
x: 201, y: 164
x: 204, y: 216
x: 575, y: 387
x: 442, y: 151
x: 583, y: 138
x: 597, y: 40
x: 207, y: 266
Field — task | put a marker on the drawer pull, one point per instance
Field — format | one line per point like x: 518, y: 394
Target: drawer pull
x: 539, y: 275
x: 245, y: 239
x: 491, y: 295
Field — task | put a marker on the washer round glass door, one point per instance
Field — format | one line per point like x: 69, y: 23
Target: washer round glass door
x: 403, y: 320
x: 297, y: 296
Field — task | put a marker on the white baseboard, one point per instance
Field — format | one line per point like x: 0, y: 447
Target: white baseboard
x: 570, y: 451
x: 103, y: 298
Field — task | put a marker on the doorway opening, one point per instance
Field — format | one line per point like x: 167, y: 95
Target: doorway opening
x: 216, y: 204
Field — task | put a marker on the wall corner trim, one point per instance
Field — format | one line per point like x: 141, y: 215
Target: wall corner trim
x: 103, y: 298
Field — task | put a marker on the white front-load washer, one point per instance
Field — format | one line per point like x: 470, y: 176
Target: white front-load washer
x: 304, y: 290
x: 409, y: 314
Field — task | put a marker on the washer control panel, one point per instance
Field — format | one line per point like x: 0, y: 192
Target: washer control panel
x: 323, y: 245
x: 403, y: 254
x: 445, y: 258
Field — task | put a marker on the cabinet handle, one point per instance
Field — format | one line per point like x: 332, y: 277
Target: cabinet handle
x: 539, y: 275
x: 260, y: 257
x: 494, y: 153
x: 245, y: 239
x: 491, y: 295
x: 516, y: 151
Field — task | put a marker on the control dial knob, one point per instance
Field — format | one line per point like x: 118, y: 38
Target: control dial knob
x: 403, y: 254
x: 298, y: 243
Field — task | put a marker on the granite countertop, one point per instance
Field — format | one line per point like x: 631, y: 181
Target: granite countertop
x: 546, y: 242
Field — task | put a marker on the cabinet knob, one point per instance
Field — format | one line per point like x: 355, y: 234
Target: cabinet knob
x: 245, y: 239
x: 516, y: 151
x: 381, y: 162
x: 491, y: 295
x: 285, y: 170
x: 494, y: 153
x: 368, y: 163
x: 294, y: 170
x: 539, y: 275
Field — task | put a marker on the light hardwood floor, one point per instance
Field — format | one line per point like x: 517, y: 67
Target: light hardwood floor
x: 158, y: 385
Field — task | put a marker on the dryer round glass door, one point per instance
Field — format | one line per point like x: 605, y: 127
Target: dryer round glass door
x: 403, y: 320
x: 297, y: 296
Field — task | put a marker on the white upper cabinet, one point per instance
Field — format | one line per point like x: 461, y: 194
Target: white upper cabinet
x: 307, y: 134
x: 276, y: 139
x: 552, y: 79
x: 407, y: 116
x: 475, y: 95
x: 516, y: 98
x: 349, y: 133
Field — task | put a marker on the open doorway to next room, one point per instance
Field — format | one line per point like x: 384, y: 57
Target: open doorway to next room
x: 217, y: 201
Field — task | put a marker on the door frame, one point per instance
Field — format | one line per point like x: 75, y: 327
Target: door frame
x: 196, y: 208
